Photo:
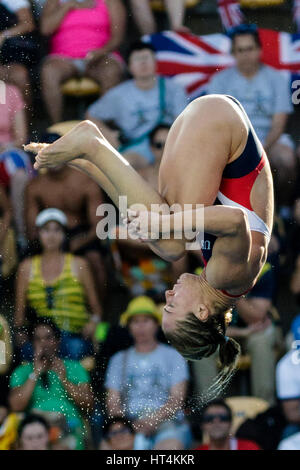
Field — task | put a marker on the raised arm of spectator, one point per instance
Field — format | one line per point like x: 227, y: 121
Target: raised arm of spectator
x: 176, y: 12
x: 114, y: 403
x: 278, y: 126
x: 5, y: 207
x: 80, y: 392
x: 53, y: 14
x: 25, y: 24
x: 19, y: 397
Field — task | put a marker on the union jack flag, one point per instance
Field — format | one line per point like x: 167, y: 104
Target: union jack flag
x: 193, y: 60
x: 230, y: 13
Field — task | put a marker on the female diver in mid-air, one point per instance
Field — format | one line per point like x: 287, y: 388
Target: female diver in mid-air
x: 214, y: 158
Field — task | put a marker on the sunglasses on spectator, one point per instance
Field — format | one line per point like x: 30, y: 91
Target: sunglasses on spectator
x: 158, y: 145
x: 209, y: 418
x: 118, y: 431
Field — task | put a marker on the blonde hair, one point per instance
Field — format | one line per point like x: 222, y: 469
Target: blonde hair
x: 195, y: 339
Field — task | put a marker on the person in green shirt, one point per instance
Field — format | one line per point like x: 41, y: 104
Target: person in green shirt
x: 49, y: 384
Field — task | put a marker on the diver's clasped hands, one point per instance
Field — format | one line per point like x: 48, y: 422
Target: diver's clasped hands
x: 145, y: 226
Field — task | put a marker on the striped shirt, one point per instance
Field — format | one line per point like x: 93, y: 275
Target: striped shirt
x: 63, y: 299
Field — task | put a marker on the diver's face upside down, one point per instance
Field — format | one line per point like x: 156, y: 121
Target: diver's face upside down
x: 185, y: 297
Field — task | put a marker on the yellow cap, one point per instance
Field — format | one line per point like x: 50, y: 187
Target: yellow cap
x: 141, y: 305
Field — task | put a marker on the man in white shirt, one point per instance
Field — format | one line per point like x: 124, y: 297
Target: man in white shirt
x: 288, y: 390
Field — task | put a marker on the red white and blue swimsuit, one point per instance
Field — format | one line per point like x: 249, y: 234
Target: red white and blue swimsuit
x: 237, y: 182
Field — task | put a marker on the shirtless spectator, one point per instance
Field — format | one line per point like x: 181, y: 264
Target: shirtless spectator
x: 137, y: 106
x: 144, y: 17
x: 78, y: 197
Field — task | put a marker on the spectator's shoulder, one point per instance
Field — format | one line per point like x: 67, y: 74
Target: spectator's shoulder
x: 73, y: 367
x: 119, y: 89
x: 245, y: 444
x: 119, y: 355
x: 37, y: 183
x: 170, y: 352
x: 79, y: 262
x: 25, y: 266
x: 286, y: 361
x: 20, y: 374
x: 272, y: 72
x: 223, y: 74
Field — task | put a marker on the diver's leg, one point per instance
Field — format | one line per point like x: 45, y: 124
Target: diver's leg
x: 111, y: 171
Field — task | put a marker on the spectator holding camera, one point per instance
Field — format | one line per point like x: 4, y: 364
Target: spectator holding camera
x: 49, y: 383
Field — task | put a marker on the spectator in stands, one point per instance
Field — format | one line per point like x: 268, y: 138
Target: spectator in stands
x: 58, y: 285
x: 5, y: 219
x: 265, y: 94
x: 137, y: 106
x: 288, y: 384
x: 293, y: 245
x: 15, y: 165
x: 216, y: 424
x: 33, y: 433
x: 145, y: 20
x: 147, y: 382
x: 118, y: 434
x: 157, y: 137
x: 51, y: 384
x: 78, y: 198
x: 18, y: 49
x: 258, y: 335
x: 84, y: 37
x: 290, y: 443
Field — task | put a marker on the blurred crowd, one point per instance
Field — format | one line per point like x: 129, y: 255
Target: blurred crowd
x: 83, y: 361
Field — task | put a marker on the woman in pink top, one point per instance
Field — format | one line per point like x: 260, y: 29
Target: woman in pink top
x: 84, y: 35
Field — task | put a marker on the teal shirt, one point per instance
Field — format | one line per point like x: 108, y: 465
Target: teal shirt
x: 55, y: 397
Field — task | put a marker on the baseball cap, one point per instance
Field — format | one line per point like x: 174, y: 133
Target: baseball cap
x: 52, y: 214
x: 141, y: 305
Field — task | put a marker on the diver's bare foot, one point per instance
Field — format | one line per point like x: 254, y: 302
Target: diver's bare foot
x: 75, y: 144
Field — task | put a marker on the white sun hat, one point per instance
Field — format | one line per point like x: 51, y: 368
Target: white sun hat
x: 51, y: 214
